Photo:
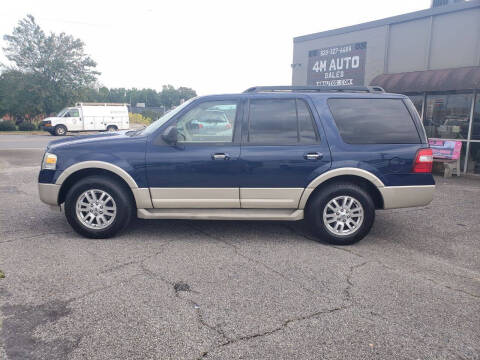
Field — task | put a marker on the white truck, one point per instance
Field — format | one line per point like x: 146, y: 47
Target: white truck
x: 88, y: 117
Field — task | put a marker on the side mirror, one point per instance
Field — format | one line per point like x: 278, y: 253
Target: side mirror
x: 170, y: 135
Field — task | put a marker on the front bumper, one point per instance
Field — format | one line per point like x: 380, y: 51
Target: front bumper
x: 49, y: 193
x: 406, y: 196
x: 46, y: 127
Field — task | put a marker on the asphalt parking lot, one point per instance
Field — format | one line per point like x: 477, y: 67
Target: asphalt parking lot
x: 236, y: 290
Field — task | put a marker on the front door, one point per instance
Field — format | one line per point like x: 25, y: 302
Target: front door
x: 283, y: 150
x: 202, y: 169
x: 73, y: 120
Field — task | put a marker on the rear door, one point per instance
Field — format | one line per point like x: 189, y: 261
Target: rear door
x: 283, y: 150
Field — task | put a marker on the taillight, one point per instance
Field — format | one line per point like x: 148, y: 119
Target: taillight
x: 423, y: 161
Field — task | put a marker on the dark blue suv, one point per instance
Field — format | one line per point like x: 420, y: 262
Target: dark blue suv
x: 331, y: 156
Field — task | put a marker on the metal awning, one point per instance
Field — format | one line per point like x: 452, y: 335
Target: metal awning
x: 465, y: 78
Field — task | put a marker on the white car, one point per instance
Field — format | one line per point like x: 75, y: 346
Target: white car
x: 88, y: 117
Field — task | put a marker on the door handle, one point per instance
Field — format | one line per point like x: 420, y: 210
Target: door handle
x: 220, y: 156
x: 313, y: 156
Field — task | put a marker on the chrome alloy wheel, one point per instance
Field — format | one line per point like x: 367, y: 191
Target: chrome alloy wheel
x: 96, y: 209
x: 343, y: 215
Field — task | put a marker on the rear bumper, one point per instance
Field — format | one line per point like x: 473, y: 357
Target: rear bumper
x: 49, y: 193
x: 406, y: 196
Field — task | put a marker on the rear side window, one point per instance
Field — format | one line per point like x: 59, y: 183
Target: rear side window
x: 280, y: 121
x: 374, y: 121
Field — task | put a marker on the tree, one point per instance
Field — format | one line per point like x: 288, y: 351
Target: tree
x: 57, y: 60
x: 20, y: 95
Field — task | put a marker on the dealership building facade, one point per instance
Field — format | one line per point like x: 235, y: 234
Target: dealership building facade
x: 433, y: 56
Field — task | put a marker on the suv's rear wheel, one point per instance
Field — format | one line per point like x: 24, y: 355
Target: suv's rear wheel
x: 341, y: 213
x: 60, y: 130
x: 98, y: 207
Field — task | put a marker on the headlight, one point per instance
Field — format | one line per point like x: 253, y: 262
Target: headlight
x: 49, y: 161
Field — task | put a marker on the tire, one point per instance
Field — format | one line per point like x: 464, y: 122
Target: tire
x: 60, y: 130
x: 112, y: 128
x: 353, y: 220
x: 92, y: 187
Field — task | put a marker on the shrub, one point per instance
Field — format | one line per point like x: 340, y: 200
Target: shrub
x: 26, y: 126
x: 7, y: 125
x: 139, y: 119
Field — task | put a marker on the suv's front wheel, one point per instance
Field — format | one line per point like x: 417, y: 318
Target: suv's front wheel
x: 98, y: 207
x: 341, y: 213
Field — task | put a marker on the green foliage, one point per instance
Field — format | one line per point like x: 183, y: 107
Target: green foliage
x: 20, y: 94
x: 27, y: 126
x: 7, y: 125
x: 57, y: 62
x: 167, y: 98
x: 154, y: 115
x: 139, y: 119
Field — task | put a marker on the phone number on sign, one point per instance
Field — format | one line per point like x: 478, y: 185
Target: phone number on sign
x: 336, y: 50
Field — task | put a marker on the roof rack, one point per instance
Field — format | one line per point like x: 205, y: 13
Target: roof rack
x: 99, y: 104
x: 369, y: 89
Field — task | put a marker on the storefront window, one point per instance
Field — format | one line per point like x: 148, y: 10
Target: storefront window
x: 476, y: 119
x: 417, y: 100
x: 447, y: 116
x: 474, y: 158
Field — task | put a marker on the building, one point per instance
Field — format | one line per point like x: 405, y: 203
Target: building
x: 432, y: 55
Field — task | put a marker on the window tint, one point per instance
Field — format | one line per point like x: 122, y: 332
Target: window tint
x: 211, y: 121
x: 305, y: 123
x: 279, y: 121
x: 374, y: 121
x: 273, y: 122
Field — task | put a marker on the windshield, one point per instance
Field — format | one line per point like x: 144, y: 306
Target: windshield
x: 62, y: 112
x: 156, y: 124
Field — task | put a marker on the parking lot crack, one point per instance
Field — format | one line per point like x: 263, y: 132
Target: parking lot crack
x: 452, y: 288
x: 179, y: 288
x: 350, y: 283
x: 239, y: 253
x: 35, y: 236
x: 281, y: 327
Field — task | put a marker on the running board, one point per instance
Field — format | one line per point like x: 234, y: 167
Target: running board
x: 221, y: 214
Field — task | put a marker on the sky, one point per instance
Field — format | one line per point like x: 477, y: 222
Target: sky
x: 211, y: 46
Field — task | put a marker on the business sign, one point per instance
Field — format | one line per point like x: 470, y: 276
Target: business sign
x: 337, y: 65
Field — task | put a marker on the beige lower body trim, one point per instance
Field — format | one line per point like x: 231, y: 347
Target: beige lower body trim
x: 142, y: 198
x: 189, y: 198
x: 221, y: 214
x: 49, y: 193
x: 406, y: 196
x: 270, y: 198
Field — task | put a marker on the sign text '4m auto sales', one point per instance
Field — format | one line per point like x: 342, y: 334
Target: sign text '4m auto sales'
x: 337, y: 65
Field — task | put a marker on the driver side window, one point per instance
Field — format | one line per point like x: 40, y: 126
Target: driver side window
x: 211, y: 121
